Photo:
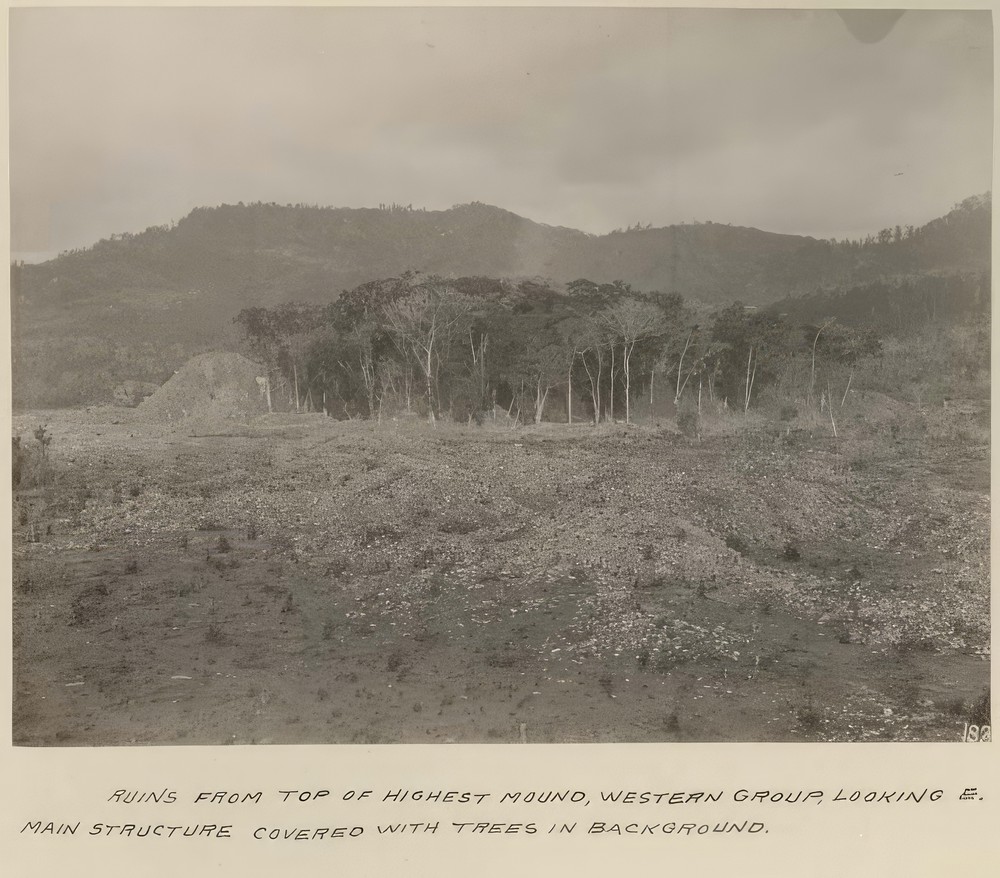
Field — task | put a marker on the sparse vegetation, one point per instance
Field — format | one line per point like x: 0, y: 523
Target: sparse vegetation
x: 632, y: 513
x: 980, y: 714
x: 214, y: 635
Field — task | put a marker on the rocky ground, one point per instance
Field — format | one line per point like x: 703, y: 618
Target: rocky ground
x: 297, y: 579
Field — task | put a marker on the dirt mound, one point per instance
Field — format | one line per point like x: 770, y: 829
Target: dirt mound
x: 209, y: 387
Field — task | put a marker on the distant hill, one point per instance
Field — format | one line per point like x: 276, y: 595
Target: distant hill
x: 139, y: 305
x: 897, y: 305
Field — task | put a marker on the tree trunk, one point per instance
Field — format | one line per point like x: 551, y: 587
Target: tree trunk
x: 847, y: 390
x: 627, y: 357
x: 295, y: 375
x: 833, y: 423
x: 429, y: 369
x: 750, y: 377
x: 680, y: 364
x: 540, y: 402
x: 594, y: 389
x: 812, y: 373
x: 611, y: 408
x: 597, y: 387
x: 569, y: 394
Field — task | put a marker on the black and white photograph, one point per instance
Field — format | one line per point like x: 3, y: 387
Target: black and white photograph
x: 500, y: 375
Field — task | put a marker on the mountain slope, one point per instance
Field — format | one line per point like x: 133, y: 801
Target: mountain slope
x: 137, y: 306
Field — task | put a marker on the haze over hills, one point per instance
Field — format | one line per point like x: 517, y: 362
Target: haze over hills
x: 169, y: 292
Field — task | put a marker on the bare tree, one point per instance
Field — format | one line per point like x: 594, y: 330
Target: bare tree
x: 812, y: 373
x: 422, y: 323
x: 630, y: 321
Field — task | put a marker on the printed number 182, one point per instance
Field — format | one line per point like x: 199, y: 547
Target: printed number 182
x: 974, y: 734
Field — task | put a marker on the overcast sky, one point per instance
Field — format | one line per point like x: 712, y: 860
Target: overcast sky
x: 788, y: 121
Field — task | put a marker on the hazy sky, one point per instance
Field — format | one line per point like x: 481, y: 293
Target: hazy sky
x: 788, y: 121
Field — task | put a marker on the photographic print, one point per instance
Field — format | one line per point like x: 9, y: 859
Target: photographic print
x: 500, y: 375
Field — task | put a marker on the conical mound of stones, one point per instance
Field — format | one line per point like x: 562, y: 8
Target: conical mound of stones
x: 214, y: 387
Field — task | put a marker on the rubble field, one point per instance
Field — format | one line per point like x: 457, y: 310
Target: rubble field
x: 296, y: 579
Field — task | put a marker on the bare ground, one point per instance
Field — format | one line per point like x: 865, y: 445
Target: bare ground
x: 302, y: 580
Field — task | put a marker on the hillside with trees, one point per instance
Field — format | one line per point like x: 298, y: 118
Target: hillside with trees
x: 475, y: 349
x: 135, y: 307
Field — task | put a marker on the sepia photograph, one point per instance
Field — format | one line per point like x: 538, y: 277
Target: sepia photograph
x: 500, y: 375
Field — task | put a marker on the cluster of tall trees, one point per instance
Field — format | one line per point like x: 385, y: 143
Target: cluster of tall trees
x: 471, y: 347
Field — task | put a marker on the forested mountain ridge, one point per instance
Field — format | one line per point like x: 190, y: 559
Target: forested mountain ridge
x: 137, y: 306
x: 263, y: 253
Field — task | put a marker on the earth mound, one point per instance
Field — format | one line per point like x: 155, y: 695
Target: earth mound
x: 209, y: 387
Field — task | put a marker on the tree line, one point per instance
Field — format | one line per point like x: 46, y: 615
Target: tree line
x: 475, y: 347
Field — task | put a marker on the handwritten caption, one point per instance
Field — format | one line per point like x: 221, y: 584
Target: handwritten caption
x: 671, y: 813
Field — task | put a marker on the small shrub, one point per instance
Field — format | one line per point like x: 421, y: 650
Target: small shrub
x: 17, y: 460
x: 981, y: 710
x: 860, y: 464
x: 666, y: 661
x: 688, y: 422
x: 222, y: 546
x: 917, y: 644
x: 809, y: 719
x: 370, y: 463
x: 44, y: 440
x: 504, y: 659
x: 788, y: 413
x: 30, y: 466
x: 135, y: 491
x: 456, y: 525
x: 424, y: 558
x: 131, y: 567
x: 736, y: 543
x: 377, y: 533
x: 791, y: 552
x: 394, y: 662
x: 337, y: 566
x: 214, y: 635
